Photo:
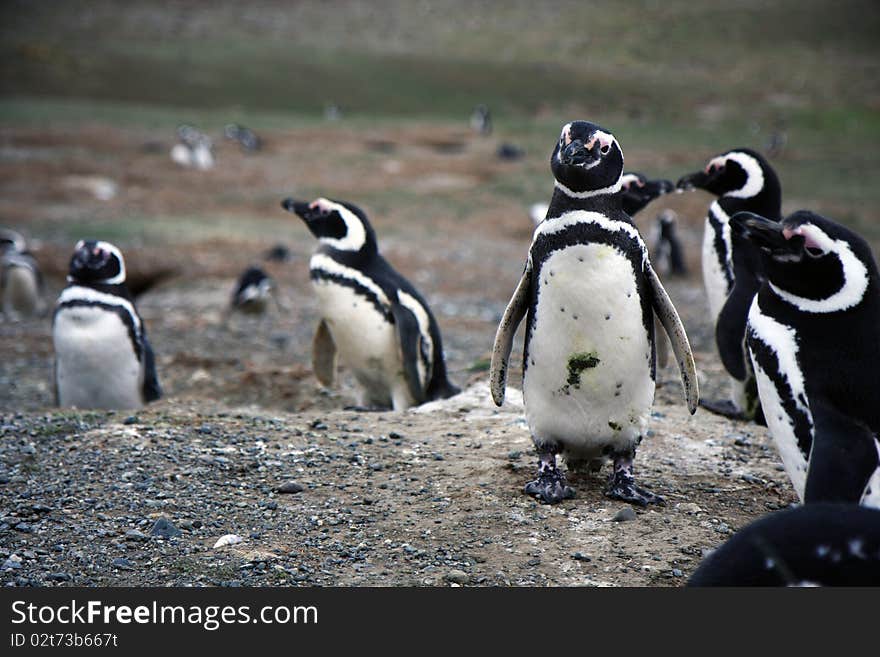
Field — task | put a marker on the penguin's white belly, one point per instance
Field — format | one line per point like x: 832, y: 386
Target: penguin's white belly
x: 20, y: 291
x: 587, y: 382
x: 714, y: 279
x: 782, y: 341
x: 366, y: 342
x: 96, y: 366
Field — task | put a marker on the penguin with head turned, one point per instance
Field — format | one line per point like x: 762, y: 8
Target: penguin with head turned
x: 380, y: 326
x: 21, y: 282
x: 743, y: 180
x: 589, y: 296
x: 102, y: 356
x: 812, y: 338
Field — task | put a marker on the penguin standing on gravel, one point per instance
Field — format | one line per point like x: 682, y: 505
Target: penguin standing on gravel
x: 668, y: 253
x: 813, y: 339
x: 21, y: 283
x: 252, y: 293
x: 742, y: 180
x: 589, y: 295
x: 102, y: 356
x: 380, y: 325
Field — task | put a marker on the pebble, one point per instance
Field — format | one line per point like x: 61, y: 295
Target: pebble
x: 163, y: 528
x: 227, y: 539
x: 625, y: 514
x: 59, y: 577
x: 122, y: 563
x: 457, y: 577
x: 23, y: 527
x: 13, y: 562
x: 131, y: 419
x: 290, y: 487
x: 135, y: 535
x: 580, y: 556
x: 677, y: 573
x: 688, y: 507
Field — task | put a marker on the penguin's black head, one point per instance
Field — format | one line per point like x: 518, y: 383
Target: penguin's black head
x: 254, y: 286
x: 813, y: 262
x: 587, y: 160
x: 638, y: 191
x: 96, y: 262
x: 739, y: 173
x: 337, y: 224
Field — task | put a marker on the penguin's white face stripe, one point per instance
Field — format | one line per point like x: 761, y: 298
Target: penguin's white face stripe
x: 871, y: 495
x: 629, y: 179
x: 754, y: 175
x: 329, y: 265
x: 410, y: 302
x: 582, y: 216
x: 355, y: 235
x: 87, y: 294
x: 605, y: 139
x: 855, y: 274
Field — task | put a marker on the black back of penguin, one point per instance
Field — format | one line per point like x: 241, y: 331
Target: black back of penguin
x: 354, y: 245
x: 817, y: 544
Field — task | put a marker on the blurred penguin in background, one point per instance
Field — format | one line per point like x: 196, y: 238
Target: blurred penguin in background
x: 668, y: 255
x: 21, y: 283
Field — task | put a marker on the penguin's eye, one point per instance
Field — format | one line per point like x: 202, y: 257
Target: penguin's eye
x: 814, y: 251
x: 711, y: 168
x: 604, y: 149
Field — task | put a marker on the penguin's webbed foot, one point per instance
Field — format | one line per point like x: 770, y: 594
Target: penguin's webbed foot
x: 725, y: 408
x: 622, y: 486
x: 550, y: 486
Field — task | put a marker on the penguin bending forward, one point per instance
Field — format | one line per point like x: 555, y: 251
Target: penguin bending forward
x: 380, y: 325
x: 102, y: 356
x: 638, y: 191
x: 813, y: 340
x: 812, y: 545
x: 589, y: 295
x: 742, y: 180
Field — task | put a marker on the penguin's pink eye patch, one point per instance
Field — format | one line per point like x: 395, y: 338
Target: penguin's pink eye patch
x: 812, y: 243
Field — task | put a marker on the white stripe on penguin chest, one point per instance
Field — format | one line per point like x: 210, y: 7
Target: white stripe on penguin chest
x: 587, y: 381
x: 96, y: 361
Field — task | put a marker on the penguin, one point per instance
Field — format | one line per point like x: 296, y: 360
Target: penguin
x: 21, y: 282
x: 246, y: 138
x: 380, y: 325
x: 743, y: 180
x: 812, y: 339
x: 668, y: 254
x: 102, y: 356
x: 637, y: 190
x: 481, y: 120
x: 589, y: 295
x: 253, y: 291
x: 821, y: 544
x: 194, y: 150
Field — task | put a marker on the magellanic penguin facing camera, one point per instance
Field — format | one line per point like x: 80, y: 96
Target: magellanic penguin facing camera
x: 743, y: 181
x: 812, y: 545
x: 813, y: 339
x: 380, y: 325
x: 21, y: 283
x: 589, y: 295
x: 102, y: 356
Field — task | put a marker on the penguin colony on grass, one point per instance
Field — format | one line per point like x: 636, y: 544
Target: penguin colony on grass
x: 590, y: 300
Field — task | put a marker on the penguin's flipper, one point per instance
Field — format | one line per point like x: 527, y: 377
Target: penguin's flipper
x: 843, y: 457
x: 411, y: 343
x: 324, y: 355
x: 513, y: 315
x: 730, y: 331
x: 152, y: 391
x: 677, y: 337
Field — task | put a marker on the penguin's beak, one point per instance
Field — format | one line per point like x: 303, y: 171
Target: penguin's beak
x: 766, y: 234
x: 90, y: 257
x: 576, y: 153
x: 299, y: 208
x: 696, y: 180
x: 665, y: 187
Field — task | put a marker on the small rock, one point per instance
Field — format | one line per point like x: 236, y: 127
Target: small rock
x: 227, y: 539
x: 12, y: 563
x: 22, y: 527
x: 457, y: 577
x: 625, y: 514
x: 59, y: 577
x: 135, y: 535
x: 131, y: 419
x: 688, y: 507
x: 677, y: 573
x: 163, y: 528
x: 580, y: 556
x: 122, y: 563
x: 290, y: 487
x: 531, y: 563
x: 318, y: 425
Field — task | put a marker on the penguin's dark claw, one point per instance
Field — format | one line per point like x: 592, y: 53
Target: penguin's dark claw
x: 550, y: 487
x: 723, y: 407
x: 634, y: 495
